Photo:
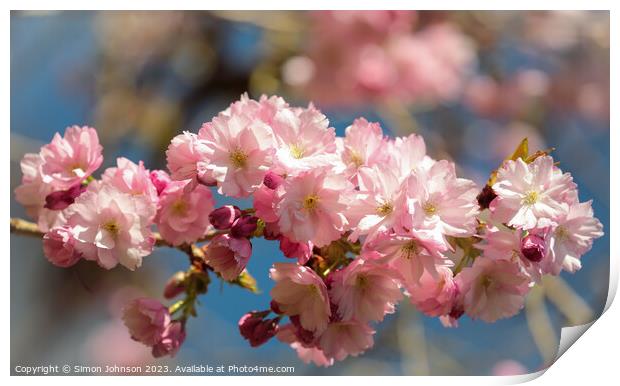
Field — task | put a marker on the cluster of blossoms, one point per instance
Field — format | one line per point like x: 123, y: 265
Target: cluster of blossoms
x: 378, y: 55
x: 365, y: 220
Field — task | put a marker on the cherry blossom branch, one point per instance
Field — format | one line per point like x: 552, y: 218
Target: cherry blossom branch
x: 196, y: 254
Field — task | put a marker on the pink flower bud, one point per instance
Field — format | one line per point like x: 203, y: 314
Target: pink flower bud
x: 61, y: 199
x: 244, y: 226
x: 533, y: 247
x: 271, y: 231
x: 272, y: 180
x: 227, y: 255
x: 160, y: 180
x: 59, y: 247
x: 175, y: 285
x: 275, y: 308
x: 224, y: 217
x: 300, y: 251
x: 256, y: 329
x: 147, y: 320
x: 171, y: 340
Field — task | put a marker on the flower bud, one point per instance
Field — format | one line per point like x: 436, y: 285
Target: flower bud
x: 485, y: 197
x: 61, y: 199
x: 59, y: 247
x: 224, y: 217
x: 275, y: 308
x: 228, y: 255
x: 293, y: 250
x: 147, y: 320
x: 273, y: 180
x: 533, y: 247
x: 171, y: 340
x: 160, y: 180
x: 175, y: 285
x: 256, y: 329
x: 244, y: 226
x: 271, y: 231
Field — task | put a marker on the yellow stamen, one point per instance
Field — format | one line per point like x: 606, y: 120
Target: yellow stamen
x: 179, y: 207
x: 486, y: 281
x: 238, y: 158
x: 356, y: 159
x: 385, y: 208
x: 410, y: 249
x: 312, y: 289
x: 311, y: 202
x: 296, y: 151
x: 112, y: 227
x: 361, y: 282
x: 531, y: 197
x: 561, y: 233
x: 429, y: 208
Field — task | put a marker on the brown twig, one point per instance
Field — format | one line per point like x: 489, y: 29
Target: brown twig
x: 26, y: 228
x: 22, y: 227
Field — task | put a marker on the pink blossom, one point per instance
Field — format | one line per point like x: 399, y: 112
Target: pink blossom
x: 264, y: 110
x: 307, y: 354
x: 187, y: 157
x: 304, y: 141
x: 182, y: 216
x: 146, y: 319
x: 160, y: 179
x: 228, y: 255
x: 527, y: 193
x: 363, y: 145
x: 448, y: 203
x: 410, y: 255
x: 408, y: 154
x: 379, y: 204
x: 59, y: 247
x: 501, y: 242
x: 312, y: 207
x: 300, y: 291
x: 32, y: 194
x: 441, y: 50
x: 240, y: 152
x: 265, y: 200
x: 111, y: 226
x: 68, y: 160
x: 492, y: 289
x: 134, y: 179
x: 342, y: 339
x: 171, y: 340
x: 365, y: 292
x: 434, y: 296
x: 573, y: 237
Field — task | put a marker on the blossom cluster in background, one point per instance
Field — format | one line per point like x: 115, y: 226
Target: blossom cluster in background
x: 365, y: 220
x: 380, y: 56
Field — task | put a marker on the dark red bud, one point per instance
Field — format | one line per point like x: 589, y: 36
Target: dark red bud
x: 244, y: 226
x: 485, y: 197
x: 533, y: 247
x: 224, y: 217
x: 61, y: 199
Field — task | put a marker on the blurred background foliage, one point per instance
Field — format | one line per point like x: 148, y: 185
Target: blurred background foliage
x: 472, y: 83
